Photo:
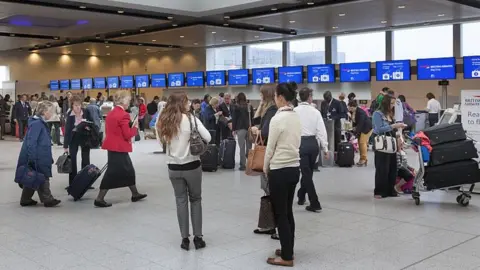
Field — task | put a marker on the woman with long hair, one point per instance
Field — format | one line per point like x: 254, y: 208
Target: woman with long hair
x: 54, y: 121
x: 175, y: 127
x: 385, y: 163
x: 241, y: 122
x: 265, y: 112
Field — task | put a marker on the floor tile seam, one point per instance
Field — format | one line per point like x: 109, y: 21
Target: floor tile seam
x: 440, y: 252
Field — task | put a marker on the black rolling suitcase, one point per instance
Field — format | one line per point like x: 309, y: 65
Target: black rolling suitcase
x: 345, y: 154
x: 452, y: 152
x: 227, y: 153
x: 445, y: 133
x: 452, y: 174
x: 84, y: 180
x: 209, y: 159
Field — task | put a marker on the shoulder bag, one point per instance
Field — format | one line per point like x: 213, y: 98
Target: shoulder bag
x: 385, y: 143
x: 256, y: 158
x: 64, y: 164
x: 29, y: 177
x: 198, y: 146
x: 250, y: 134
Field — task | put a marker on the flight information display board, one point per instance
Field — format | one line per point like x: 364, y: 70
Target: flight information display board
x: 238, y: 77
x: 159, y: 80
x: 290, y: 74
x: 113, y: 82
x: 263, y: 76
x: 436, y: 69
x: 216, y: 78
x: 87, y: 83
x: 397, y: 70
x: 471, y: 67
x: 176, y: 79
x: 99, y: 83
x: 355, y: 72
x: 142, y: 81
x: 195, y: 79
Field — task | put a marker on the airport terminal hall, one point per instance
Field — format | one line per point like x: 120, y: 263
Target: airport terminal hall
x: 239, y: 134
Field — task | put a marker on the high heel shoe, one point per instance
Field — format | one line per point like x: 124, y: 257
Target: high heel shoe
x: 362, y: 163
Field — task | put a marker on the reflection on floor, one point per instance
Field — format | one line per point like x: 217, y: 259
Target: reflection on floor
x: 354, y: 231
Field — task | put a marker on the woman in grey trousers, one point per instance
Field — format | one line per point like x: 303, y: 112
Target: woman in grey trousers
x: 174, y: 128
x: 242, y: 117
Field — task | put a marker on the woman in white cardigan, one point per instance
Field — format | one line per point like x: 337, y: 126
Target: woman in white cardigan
x: 54, y: 121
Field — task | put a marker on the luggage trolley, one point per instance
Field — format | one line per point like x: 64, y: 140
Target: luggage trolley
x: 418, y: 186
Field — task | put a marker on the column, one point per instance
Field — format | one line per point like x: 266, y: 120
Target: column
x: 331, y: 50
x: 389, y: 45
x: 285, y: 53
x: 244, y: 56
x: 457, y: 40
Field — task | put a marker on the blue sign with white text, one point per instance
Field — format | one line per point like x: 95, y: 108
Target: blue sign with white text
x: 159, y: 80
x: 99, y: 83
x: 142, y: 81
x: 321, y: 73
x: 436, y: 69
x: 398, y: 70
x: 75, y: 84
x: 54, y: 85
x: 87, y: 83
x: 216, y: 78
x: 238, y: 77
x: 176, y: 79
x: 113, y: 82
x: 290, y: 74
x: 126, y: 81
x: 195, y: 79
x: 471, y: 67
x: 263, y: 76
x: 65, y: 85
x: 355, y: 72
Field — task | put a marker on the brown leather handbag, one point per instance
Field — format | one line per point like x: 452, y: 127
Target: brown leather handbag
x: 256, y: 158
x: 266, y: 218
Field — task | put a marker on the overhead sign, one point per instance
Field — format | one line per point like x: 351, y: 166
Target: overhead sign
x: 470, y: 109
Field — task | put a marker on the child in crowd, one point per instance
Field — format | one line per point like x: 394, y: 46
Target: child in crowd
x: 405, y: 174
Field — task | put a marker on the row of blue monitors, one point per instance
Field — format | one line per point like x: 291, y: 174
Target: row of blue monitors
x: 397, y: 70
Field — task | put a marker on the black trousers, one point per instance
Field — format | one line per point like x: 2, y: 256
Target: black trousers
x: 432, y: 119
x: 337, y: 133
x: 2, y: 126
x: 282, y: 184
x: 309, y: 150
x: 404, y: 173
x: 22, y: 124
x: 385, y: 174
x: 73, y: 149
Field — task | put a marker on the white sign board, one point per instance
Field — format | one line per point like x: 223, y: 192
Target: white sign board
x: 470, y: 109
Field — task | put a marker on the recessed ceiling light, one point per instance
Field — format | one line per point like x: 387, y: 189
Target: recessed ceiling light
x: 401, y: 7
x: 108, y: 53
x: 97, y: 37
x: 126, y: 51
x: 426, y: 23
x: 293, y: 32
x: 174, y: 25
x: 147, y: 49
x: 154, y: 40
x: 226, y: 17
x: 170, y: 46
x: 261, y: 28
x: 341, y: 14
x: 82, y: 7
x: 48, y: 45
x: 140, y: 44
x: 170, y: 17
x: 224, y: 40
x: 441, y: 15
x: 142, y: 30
x: 123, y: 33
x: 384, y: 22
x: 214, y: 32
x: 225, y: 24
x: 274, y: 9
x: 335, y: 27
x: 257, y: 36
x: 87, y: 49
x: 310, y: 3
x: 182, y: 36
x: 107, y: 46
x: 121, y: 11
x: 106, y: 41
x: 55, y: 38
x: 12, y: 35
x: 291, y: 21
x: 195, y: 43
x: 69, y: 52
x: 67, y: 42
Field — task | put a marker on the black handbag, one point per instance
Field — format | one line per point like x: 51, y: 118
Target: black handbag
x: 198, y: 146
x: 266, y: 218
x: 64, y: 164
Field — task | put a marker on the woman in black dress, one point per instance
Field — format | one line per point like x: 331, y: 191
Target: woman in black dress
x: 118, y: 143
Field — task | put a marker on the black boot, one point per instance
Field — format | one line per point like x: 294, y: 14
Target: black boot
x: 199, y: 243
x: 185, y: 244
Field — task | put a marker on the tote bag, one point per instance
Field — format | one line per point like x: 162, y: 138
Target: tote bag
x: 266, y: 218
x: 256, y: 157
x: 385, y: 144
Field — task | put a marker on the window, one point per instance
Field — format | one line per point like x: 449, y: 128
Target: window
x: 264, y: 55
x: 307, y: 52
x: 4, y: 75
x: 423, y: 42
x: 224, y: 58
x: 470, y: 39
x: 365, y: 47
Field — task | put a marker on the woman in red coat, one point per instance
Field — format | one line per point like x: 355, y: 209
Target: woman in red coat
x: 142, y: 111
x: 118, y: 143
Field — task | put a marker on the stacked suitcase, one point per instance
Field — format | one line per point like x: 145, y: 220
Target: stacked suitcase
x: 451, y: 159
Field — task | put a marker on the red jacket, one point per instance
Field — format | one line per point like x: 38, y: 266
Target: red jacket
x: 118, y: 133
x: 142, y: 111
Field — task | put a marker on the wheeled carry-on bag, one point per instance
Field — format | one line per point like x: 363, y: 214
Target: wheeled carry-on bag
x: 227, y: 153
x: 452, y: 152
x: 445, y: 133
x: 345, y: 154
x: 209, y: 159
x: 452, y: 174
x: 84, y: 180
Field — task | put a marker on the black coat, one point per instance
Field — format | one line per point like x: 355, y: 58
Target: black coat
x: 362, y: 122
x: 152, y: 108
x: 265, y: 122
x: 22, y: 112
x: 70, y: 125
x: 209, y: 119
x: 240, y: 119
x: 335, y: 109
x: 225, y: 111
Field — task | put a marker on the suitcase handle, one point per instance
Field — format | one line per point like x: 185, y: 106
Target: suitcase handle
x: 104, y: 168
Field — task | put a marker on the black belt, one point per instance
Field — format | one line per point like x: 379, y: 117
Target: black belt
x: 309, y: 137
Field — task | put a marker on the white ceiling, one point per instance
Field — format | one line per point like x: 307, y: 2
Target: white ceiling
x: 100, y: 49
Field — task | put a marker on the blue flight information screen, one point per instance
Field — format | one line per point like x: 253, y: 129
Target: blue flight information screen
x: 176, y: 79
x: 75, y: 84
x: 142, y: 81
x: 159, y: 80
x: 355, y: 72
x: 321, y: 73
x: 290, y: 74
x: 471, y: 67
x: 238, y: 77
x: 65, y: 85
x: 54, y: 85
x: 87, y: 83
x: 393, y: 70
x: 216, y: 78
x: 195, y: 79
x: 113, y: 82
x: 436, y: 69
x: 263, y: 76
x: 99, y: 83
x: 126, y: 81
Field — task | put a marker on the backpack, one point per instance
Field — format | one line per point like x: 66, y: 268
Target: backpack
x: 408, y: 116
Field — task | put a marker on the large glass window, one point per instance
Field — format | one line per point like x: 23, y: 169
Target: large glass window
x: 365, y: 47
x: 470, y: 39
x: 423, y: 42
x: 4, y: 74
x: 307, y: 52
x: 264, y: 55
x: 224, y: 58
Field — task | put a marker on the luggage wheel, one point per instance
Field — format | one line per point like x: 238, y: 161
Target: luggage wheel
x: 464, y: 199
x: 416, y: 197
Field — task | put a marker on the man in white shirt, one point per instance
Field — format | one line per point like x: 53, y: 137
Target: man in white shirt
x: 433, y: 108
x: 314, y: 134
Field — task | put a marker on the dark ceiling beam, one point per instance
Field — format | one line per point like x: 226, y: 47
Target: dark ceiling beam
x: 20, y: 35
x: 470, y: 3
x: 251, y: 27
x: 118, y: 42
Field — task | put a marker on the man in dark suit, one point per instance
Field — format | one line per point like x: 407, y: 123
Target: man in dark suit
x: 225, y: 120
x: 22, y: 112
x: 332, y: 109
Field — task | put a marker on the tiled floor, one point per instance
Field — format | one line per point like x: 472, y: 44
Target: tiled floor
x: 354, y: 231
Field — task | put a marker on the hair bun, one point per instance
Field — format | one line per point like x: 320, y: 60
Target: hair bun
x: 292, y: 85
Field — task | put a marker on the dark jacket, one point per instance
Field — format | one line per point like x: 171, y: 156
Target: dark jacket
x: 152, y: 108
x: 94, y: 112
x: 22, y: 112
x: 265, y: 122
x: 70, y: 125
x: 241, y: 117
x: 344, y: 112
x: 37, y: 147
x: 3, y: 108
x: 335, y: 109
x: 225, y: 111
x: 209, y: 119
x: 362, y: 122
